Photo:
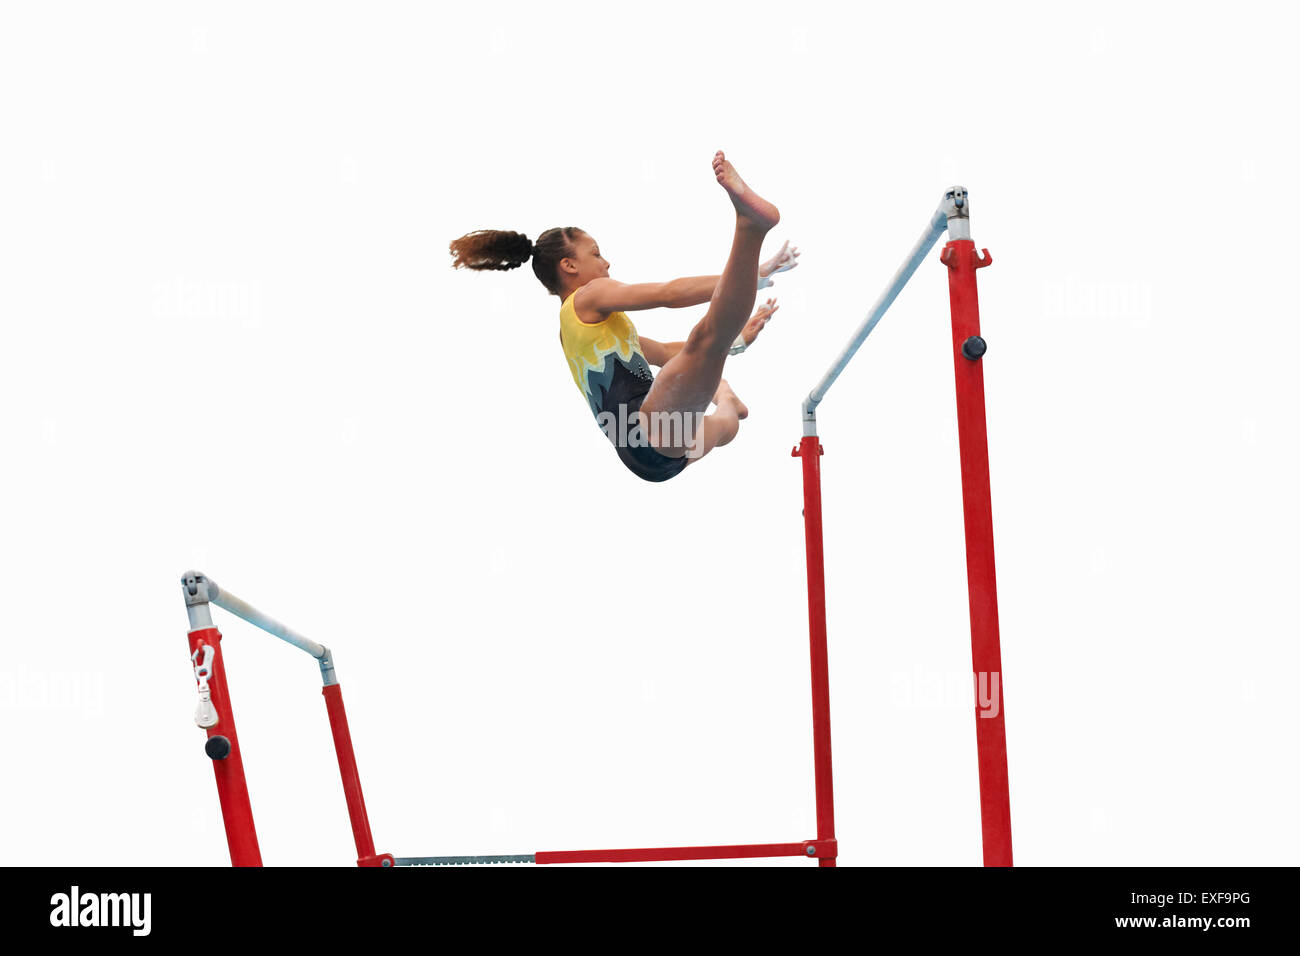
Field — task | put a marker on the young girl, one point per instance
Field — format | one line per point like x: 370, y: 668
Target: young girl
x: 657, y: 423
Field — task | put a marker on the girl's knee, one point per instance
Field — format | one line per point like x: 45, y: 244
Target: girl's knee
x: 703, y: 339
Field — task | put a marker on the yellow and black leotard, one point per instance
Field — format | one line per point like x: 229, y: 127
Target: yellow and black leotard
x: 611, y: 372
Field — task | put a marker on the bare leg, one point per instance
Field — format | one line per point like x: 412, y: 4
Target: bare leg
x: 690, y: 379
x: 722, y: 426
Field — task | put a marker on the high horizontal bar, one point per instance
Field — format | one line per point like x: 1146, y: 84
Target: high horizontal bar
x: 952, y: 206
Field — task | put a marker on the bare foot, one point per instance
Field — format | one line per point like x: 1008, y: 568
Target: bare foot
x: 749, y: 204
x: 725, y: 396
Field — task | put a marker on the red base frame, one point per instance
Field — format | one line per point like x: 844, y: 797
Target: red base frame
x: 823, y: 851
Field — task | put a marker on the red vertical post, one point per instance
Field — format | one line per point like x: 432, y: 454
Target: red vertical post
x: 810, y: 450
x: 348, y: 771
x: 990, y: 728
x: 227, y: 762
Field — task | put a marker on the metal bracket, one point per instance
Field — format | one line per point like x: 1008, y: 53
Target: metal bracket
x: 956, y: 206
x: 956, y: 203
x: 821, y: 849
x: 198, y: 589
x: 206, y: 715
x: 327, y: 674
x: 949, y: 258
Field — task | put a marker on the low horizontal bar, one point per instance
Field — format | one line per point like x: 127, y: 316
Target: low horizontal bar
x: 241, y: 608
x: 673, y: 853
x: 200, y: 591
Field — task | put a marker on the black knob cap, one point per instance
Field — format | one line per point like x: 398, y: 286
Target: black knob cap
x: 217, y: 747
x: 974, y: 347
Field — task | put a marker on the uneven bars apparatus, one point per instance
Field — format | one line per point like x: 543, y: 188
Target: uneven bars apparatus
x: 215, y: 716
x: 959, y: 255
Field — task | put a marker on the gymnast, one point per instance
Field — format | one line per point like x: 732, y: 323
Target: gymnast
x: 657, y: 423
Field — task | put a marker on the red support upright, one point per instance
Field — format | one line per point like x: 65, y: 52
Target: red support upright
x: 810, y: 450
x: 990, y: 728
x: 232, y: 788
x: 351, y: 778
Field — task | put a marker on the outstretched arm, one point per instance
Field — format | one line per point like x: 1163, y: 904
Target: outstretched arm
x: 699, y: 290
x: 610, y: 295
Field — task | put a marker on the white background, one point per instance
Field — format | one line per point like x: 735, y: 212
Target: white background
x: 232, y: 341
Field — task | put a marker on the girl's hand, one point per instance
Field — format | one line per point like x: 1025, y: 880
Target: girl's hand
x: 758, y: 320
x: 783, y: 261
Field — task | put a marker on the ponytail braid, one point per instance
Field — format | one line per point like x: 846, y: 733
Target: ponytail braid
x: 501, y: 250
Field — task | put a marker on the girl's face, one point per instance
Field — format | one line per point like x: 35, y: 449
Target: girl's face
x: 588, y: 260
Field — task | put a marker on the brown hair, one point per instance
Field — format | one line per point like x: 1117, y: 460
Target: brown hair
x: 498, y: 249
